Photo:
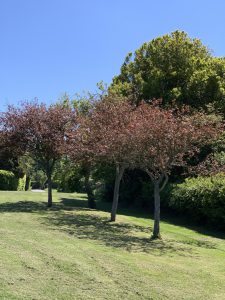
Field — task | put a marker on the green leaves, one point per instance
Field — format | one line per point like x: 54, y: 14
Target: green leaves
x: 202, y: 197
x: 172, y: 67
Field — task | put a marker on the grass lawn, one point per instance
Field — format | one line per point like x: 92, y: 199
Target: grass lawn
x: 72, y: 252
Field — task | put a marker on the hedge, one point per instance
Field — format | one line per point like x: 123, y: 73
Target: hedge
x: 9, y: 182
x: 203, y: 198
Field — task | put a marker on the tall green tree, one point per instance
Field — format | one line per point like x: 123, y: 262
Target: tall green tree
x: 172, y: 67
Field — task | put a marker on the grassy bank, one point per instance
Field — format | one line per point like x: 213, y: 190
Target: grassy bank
x: 72, y: 252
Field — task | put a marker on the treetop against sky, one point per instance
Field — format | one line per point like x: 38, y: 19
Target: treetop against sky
x: 51, y: 47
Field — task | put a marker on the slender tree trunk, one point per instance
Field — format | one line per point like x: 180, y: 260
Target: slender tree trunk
x: 156, y: 229
x: 49, y: 191
x: 119, y: 175
x: 27, y: 184
x: 157, y: 190
x: 49, y: 166
x: 88, y: 188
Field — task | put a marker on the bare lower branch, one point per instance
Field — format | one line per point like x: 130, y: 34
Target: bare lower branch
x: 150, y: 175
x: 164, y: 183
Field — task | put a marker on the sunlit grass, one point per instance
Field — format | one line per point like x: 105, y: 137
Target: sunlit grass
x: 72, y: 252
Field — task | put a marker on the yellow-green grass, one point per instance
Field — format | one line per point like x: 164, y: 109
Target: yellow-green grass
x: 72, y: 252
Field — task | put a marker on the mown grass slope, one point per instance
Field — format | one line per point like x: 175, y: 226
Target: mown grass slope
x: 72, y: 252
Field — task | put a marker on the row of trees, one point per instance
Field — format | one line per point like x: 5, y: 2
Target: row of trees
x: 113, y: 129
x: 124, y: 127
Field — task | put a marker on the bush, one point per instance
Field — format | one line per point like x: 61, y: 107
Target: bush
x: 38, y: 180
x: 71, y: 182
x: 21, y: 183
x: 9, y: 182
x: 203, y: 198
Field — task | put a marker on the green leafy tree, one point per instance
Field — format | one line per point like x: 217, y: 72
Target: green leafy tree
x: 172, y: 67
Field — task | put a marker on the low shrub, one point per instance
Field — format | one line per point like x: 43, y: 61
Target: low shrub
x: 71, y: 182
x: 203, y: 198
x: 9, y: 182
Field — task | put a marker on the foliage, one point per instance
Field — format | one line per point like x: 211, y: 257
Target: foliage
x: 165, y: 138
x: 203, y: 198
x: 214, y: 160
x: 147, y: 137
x: 172, y: 67
x: 104, y: 178
x: 103, y: 134
x: 40, y: 131
x: 21, y: 183
x: 38, y: 179
x: 9, y: 181
x: 68, y: 176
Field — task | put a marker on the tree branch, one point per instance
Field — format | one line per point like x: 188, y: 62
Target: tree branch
x: 165, y: 182
x: 149, y: 174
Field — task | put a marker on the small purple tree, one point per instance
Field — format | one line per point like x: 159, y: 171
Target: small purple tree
x: 40, y: 131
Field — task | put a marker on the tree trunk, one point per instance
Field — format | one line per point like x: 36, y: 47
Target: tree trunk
x: 27, y: 184
x: 119, y: 174
x: 157, y: 190
x: 88, y: 188
x: 156, y: 229
x: 49, y: 190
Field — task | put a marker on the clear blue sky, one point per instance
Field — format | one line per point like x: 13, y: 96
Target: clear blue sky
x: 48, y: 47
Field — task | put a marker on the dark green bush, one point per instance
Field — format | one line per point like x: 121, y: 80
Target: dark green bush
x: 135, y: 189
x: 9, y: 182
x: 38, y: 180
x: 203, y: 198
x: 71, y: 182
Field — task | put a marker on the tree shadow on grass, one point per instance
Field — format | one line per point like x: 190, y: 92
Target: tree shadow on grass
x: 117, y: 235
x: 82, y: 223
x: 73, y: 203
x: 75, y: 218
x: 23, y: 206
x: 34, y: 207
x: 169, y: 217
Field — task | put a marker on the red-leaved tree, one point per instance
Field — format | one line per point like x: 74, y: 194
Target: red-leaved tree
x: 164, y: 139
x: 105, y: 136
x: 40, y: 131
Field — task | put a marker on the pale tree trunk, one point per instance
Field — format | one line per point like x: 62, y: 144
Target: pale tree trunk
x: 119, y: 175
x: 157, y: 190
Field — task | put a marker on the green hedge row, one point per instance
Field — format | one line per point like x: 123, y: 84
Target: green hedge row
x: 203, y: 198
x: 9, y: 182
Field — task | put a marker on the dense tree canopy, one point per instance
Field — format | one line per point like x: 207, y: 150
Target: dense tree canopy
x: 40, y: 131
x: 105, y: 136
x: 164, y: 138
x: 147, y: 136
x: 172, y: 67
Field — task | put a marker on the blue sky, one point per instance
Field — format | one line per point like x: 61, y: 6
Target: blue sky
x: 48, y: 47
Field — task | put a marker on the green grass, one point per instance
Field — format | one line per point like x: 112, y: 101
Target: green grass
x: 72, y: 252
